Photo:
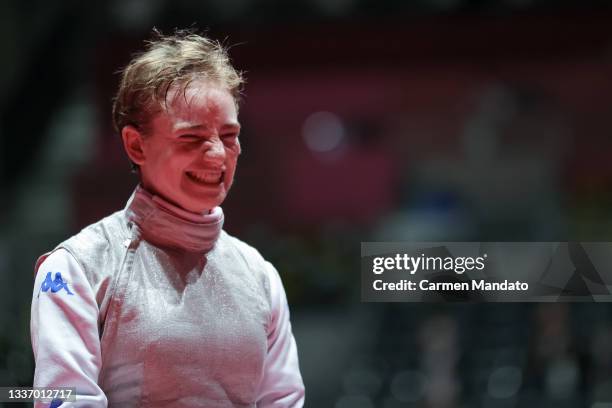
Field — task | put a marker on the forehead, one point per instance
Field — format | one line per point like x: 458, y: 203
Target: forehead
x: 198, y: 100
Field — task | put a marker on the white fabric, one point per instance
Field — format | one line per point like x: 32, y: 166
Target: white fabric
x: 66, y: 341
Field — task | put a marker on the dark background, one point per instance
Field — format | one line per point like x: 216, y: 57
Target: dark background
x: 363, y: 120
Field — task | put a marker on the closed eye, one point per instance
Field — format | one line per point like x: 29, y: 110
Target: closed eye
x: 229, y: 137
x: 190, y: 138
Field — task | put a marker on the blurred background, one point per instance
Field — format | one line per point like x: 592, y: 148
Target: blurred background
x: 363, y: 120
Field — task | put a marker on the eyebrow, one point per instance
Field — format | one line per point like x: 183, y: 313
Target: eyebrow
x: 228, y: 126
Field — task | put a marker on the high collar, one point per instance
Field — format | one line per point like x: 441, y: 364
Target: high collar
x: 166, y: 225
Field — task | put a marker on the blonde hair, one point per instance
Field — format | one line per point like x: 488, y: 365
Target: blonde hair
x: 166, y: 61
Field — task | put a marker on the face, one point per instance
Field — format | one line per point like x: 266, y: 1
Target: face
x: 189, y: 156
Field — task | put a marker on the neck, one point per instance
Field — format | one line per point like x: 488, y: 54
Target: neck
x: 166, y: 225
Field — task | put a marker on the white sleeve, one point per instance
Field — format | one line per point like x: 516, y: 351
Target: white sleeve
x: 64, y: 329
x: 282, y: 384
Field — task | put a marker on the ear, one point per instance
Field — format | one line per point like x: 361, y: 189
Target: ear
x: 133, y: 143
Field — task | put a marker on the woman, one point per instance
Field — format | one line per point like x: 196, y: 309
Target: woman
x: 156, y: 305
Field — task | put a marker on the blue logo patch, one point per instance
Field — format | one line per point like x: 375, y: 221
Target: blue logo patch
x: 55, y: 285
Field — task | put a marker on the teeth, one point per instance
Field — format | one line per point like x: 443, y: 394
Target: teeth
x: 211, y: 177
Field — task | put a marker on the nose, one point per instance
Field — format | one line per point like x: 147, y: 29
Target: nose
x: 214, y: 150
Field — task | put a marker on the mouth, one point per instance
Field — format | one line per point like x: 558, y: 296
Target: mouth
x: 209, y: 178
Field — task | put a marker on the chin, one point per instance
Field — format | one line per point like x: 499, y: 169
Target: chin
x: 198, y: 203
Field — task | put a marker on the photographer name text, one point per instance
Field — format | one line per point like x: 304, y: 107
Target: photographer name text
x: 427, y: 285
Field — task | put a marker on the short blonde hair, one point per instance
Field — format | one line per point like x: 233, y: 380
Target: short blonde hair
x: 170, y: 60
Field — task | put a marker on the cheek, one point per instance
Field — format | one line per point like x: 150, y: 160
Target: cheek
x: 176, y: 160
x: 167, y: 170
x: 232, y: 161
x: 230, y: 169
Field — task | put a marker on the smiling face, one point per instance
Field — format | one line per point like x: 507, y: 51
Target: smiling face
x: 189, y: 155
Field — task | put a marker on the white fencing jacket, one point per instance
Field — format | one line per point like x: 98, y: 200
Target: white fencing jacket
x: 130, y: 324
